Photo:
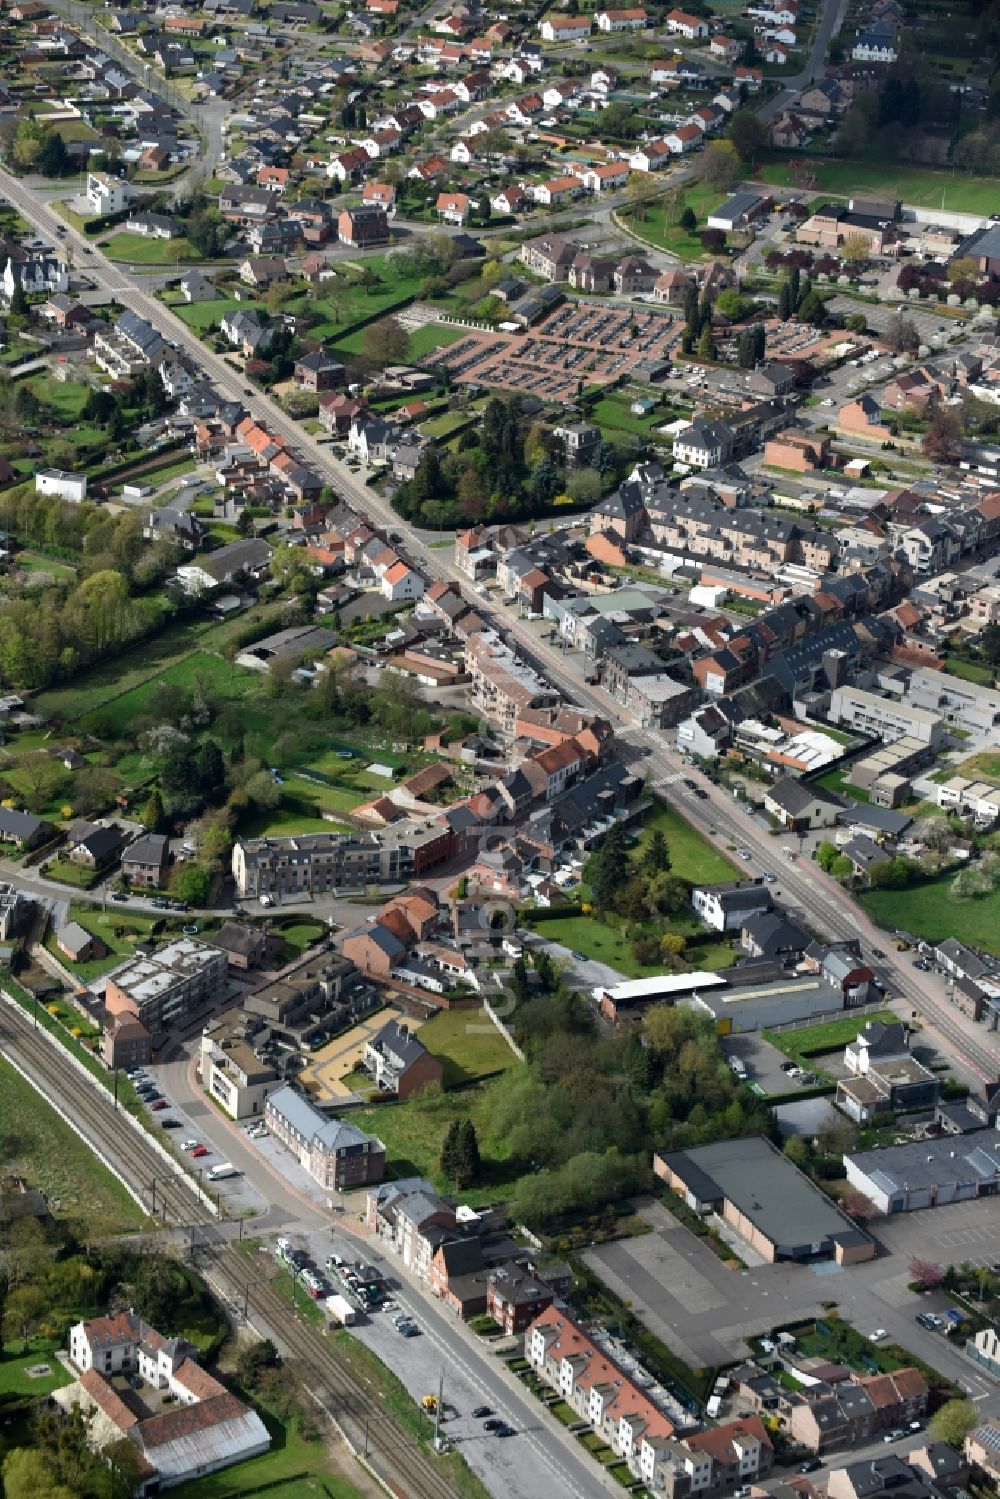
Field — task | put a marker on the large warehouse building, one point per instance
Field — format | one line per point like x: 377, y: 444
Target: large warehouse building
x: 769, y: 1202
x: 928, y: 1173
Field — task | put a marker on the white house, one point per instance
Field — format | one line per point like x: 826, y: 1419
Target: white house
x: 401, y: 582
x: 57, y: 481
x: 564, y: 28
x: 651, y: 157
x: 873, y: 47
x: 35, y: 270
x: 693, y: 28
x: 725, y: 907
x: 107, y: 194
x: 683, y: 138
x: 634, y: 19
x: 726, y: 48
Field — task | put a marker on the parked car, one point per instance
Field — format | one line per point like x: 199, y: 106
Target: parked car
x: 198, y: 1151
x: 481, y: 1411
x: 811, y: 1465
x: 158, y: 1104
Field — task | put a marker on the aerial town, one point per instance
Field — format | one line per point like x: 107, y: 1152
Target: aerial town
x: 499, y: 749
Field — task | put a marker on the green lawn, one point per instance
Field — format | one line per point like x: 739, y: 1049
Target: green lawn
x: 929, y: 910
x: 34, y: 562
x: 837, y: 781
x: 293, y: 815
x: 203, y: 316
x: 15, y: 1381
x: 66, y: 398
x: 918, y: 186
x: 970, y: 671
x: 694, y: 857
x: 46, y: 1151
x: 433, y: 336
x: 301, y: 935
x: 606, y: 944
x: 292, y: 1467
x: 67, y: 873
x: 340, y: 798
x: 983, y: 766
x: 613, y: 411
x: 137, y: 249
x: 830, y: 1035
x: 468, y: 1043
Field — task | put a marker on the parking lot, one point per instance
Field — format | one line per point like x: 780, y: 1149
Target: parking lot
x: 234, y: 1192
x: 577, y: 341
x: 765, y: 1064
x: 688, y: 1297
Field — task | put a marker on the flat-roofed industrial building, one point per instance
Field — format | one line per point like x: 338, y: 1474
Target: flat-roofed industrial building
x: 766, y: 1199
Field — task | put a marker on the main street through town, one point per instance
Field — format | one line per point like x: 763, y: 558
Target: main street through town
x: 804, y: 886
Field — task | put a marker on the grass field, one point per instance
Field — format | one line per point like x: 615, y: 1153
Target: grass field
x: 293, y: 815
x: 613, y: 411
x: 836, y: 781
x: 198, y: 666
x: 694, y: 857
x: 65, y: 398
x: 34, y: 562
x: 414, y: 1132
x: 137, y: 249
x: 669, y: 235
x: 468, y: 1044
x: 68, y: 873
x: 931, y: 911
x: 51, y: 1156
x: 912, y: 185
x: 122, y: 672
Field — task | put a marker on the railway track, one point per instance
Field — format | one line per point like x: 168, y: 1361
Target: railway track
x: 403, y: 1468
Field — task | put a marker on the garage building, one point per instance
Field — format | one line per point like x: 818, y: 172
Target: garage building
x: 769, y: 1202
x: 928, y: 1173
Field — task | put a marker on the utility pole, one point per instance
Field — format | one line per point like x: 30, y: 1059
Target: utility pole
x: 437, y: 1413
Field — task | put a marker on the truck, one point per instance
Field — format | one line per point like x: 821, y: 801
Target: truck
x: 341, y: 1310
x: 220, y: 1172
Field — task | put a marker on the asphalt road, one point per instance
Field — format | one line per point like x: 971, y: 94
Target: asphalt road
x: 831, y: 21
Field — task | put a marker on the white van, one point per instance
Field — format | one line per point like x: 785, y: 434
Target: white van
x: 220, y: 1172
